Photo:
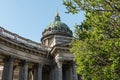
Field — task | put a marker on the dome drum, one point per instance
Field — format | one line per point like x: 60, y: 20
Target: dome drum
x: 56, y: 30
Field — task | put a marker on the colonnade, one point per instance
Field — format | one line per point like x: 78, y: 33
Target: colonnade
x: 24, y: 72
x: 35, y: 73
x: 69, y: 73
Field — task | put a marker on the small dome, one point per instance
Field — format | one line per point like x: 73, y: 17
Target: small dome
x: 57, y: 27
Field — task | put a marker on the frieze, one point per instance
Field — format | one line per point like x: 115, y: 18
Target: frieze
x: 19, y: 54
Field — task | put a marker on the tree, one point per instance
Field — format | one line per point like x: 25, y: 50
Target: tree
x: 96, y: 44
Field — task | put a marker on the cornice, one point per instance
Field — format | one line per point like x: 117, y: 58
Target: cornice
x: 58, y: 49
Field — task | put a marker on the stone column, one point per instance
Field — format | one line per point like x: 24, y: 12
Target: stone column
x: 26, y: 71
x: 55, y: 73
x: 35, y: 73
x: 38, y: 72
x: 23, y: 72
x: 59, y: 65
x: 75, y: 76
x: 52, y: 73
x: 67, y: 74
x: 8, y: 69
x: 70, y: 73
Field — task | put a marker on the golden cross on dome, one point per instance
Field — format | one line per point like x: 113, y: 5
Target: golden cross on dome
x: 57, y: 14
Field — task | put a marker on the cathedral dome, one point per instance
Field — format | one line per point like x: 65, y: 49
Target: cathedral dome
x: 57, y: 27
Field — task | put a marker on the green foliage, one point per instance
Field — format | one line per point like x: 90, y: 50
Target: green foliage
x: 96, y: 43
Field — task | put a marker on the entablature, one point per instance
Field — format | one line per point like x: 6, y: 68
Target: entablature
x: 21, y: 40
x: 21, y: 47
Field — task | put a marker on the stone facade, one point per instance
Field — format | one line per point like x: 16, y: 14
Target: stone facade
x: 23, y: 59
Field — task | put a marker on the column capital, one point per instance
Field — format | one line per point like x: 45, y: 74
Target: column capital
x: 59, y: 57
x: 59, y: 64
x: 40, y: 65
x: 21, y: 63
x: 58, y: 60
x: 8, y: 58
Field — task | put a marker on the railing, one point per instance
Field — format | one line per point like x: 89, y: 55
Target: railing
x: 20, y: 39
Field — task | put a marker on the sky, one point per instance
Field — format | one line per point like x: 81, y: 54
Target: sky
x: 29, y: 18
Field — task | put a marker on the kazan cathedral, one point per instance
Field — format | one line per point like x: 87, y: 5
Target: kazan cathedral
x: 24, y: 59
